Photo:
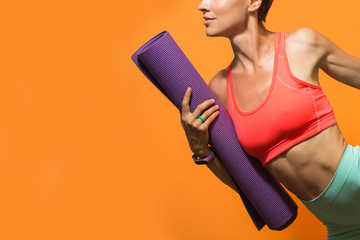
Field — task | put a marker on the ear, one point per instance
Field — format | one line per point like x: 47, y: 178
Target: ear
x: 254, y: 5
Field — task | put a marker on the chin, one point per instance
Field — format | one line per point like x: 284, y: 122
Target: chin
x: 212, y: 33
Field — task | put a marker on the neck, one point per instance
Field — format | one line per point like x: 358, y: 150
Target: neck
x: 250, y: 47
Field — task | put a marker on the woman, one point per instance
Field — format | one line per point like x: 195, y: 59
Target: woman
x: 281, y: 116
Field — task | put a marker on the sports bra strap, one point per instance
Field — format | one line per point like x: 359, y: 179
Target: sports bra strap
x: 282, y: 51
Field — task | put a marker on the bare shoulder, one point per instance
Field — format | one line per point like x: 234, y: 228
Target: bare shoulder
x: 218, y: 85
x: 306, y: 43
x: 309, y: 40
x: 303, y: 34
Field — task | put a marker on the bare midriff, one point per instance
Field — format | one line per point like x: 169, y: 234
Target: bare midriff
x: 307, y: 168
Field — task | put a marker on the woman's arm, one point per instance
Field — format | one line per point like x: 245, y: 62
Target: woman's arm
x: 218, y: 85
x: 220, y: 171
x: 335, y: 62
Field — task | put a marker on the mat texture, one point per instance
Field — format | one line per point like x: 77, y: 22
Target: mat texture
x: 162, y: 61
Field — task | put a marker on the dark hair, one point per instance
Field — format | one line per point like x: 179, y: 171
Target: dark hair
x: 263, y: 10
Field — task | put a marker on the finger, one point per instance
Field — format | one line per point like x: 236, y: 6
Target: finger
x: 185, y: 108
x: 210, y: 119
x: 209, y: 111
x: 202, y: 107
x: 198, y: 122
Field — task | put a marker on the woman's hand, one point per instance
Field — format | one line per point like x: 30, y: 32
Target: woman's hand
x: 196, y: 131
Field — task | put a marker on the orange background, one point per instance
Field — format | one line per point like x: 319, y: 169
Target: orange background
x: 90, y: 149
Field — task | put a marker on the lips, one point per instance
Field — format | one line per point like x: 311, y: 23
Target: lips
x: 208, y: 20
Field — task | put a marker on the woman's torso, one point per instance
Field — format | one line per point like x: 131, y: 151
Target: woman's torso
x: 307, y: 168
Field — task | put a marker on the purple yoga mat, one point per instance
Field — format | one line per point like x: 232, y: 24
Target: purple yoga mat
x: 166, y: 66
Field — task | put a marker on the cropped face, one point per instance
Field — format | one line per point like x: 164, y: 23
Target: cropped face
x: 224, y: 17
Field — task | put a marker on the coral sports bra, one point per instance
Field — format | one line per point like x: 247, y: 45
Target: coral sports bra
x: 292, y: 112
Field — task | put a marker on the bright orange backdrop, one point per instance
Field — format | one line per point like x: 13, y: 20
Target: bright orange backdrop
x: 90, y: 149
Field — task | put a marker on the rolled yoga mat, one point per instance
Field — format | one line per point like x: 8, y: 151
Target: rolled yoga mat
x: 166, y: 66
